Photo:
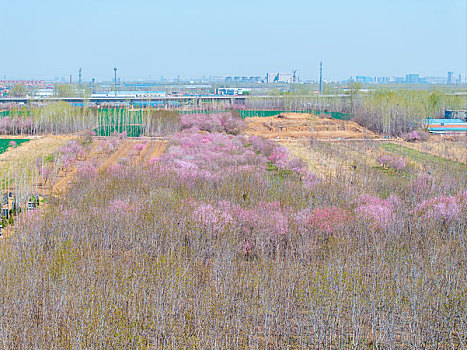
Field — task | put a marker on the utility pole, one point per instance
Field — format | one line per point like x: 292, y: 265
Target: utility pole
x: 115, y: 71
x: 80, y: 80
x: 321, y: 77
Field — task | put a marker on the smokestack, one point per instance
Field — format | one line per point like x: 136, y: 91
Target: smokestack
x: 320, y: 77
x: 71, y: 80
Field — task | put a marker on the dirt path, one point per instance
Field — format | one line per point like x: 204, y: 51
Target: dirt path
x: 157, y: 150
x: 121, y: 152
x: 153, y: 148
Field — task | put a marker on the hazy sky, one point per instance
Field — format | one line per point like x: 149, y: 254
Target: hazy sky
x: 194, y: 38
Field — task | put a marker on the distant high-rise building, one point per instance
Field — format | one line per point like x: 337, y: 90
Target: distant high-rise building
x: 364, y: 79
x: 450, y: 77
x: 270, y: 77
x: 412, y: 78
x: 383, y: 80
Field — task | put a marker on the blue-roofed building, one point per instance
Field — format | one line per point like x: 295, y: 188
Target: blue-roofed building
x: 457, y: 114
x: 446, y: 126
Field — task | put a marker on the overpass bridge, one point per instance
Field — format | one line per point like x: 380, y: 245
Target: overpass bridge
x: 157, y: 100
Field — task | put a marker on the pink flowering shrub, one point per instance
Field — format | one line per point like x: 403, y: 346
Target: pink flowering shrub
x: 389, y: 161
x: 267, y: 218
x: 44, y: 170
x: 138, y: 147
x: 442, y: 208
x: 153, y: 161
x: 329, y: 219
x: 379, y: 213
x: 87, y: 171
x: 296, y: 164
x: 261, y: 145
x: 219, y: 122
x: 232, y: 125
x: 12, y: 144
x: 67, y: 162
x: 208, y: 156
x: 5, y: 125
x: 416, y: 135
x: 73, y: 149
x: 210, y: 216
x: 16, y: 126
x: 262, y: 226
x: 280, y: 157
x: 277, y: 155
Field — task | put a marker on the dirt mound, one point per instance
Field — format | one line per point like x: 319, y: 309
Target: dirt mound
x: 296, y: 126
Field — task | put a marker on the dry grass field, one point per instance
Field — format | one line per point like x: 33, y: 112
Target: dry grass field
x: 449, y: 147
x: 25, y: 155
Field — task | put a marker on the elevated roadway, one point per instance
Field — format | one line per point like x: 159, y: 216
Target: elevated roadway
x: 159, y: 100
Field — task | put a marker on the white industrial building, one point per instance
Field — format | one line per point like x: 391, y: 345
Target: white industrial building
x: 279, y: 78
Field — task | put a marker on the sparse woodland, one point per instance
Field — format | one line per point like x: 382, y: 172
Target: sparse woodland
x: 228, y: 241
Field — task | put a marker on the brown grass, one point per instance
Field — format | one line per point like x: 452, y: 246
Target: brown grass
x: 452, y: 148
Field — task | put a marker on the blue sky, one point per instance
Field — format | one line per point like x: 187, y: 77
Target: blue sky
x: 51, y: 38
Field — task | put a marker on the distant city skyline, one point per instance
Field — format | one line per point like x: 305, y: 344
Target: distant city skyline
x: 261, y: 76
x: 275, y: 77
x: 147, y: 39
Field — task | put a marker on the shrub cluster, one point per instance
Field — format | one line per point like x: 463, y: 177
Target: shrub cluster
x: 15, y: 126
x: 416, y: 136
x: 214, y: 123
x: 389, y: 161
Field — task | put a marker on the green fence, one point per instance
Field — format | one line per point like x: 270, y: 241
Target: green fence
x: 269, y: 113
x: 251, y: 113
x: 204, y: 111
x: 15, y: 113
x: 120, y: 120
x: 335, y: 115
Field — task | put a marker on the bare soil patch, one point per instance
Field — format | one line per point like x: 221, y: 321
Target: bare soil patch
x: 290, y: 127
